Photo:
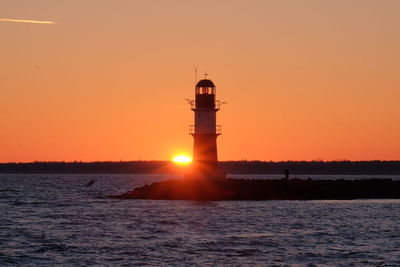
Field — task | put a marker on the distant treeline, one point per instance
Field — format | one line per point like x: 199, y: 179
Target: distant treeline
x: 230, y: 167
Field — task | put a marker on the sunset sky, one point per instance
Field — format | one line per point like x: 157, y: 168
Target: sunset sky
x: 107, y: 79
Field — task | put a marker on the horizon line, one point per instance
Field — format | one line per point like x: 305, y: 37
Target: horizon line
x: 158, y: 160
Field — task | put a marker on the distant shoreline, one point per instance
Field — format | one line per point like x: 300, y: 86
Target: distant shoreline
x: 230, y: 167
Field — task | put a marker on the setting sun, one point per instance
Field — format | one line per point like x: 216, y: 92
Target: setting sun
x: 182, y: 159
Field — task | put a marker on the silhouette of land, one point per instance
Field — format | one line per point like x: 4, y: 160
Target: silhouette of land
x: 230, y: 167
x: 240, y: 189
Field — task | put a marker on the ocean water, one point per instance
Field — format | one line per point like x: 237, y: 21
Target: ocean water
x: 56, y: 220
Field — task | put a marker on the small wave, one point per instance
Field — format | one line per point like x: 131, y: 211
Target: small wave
x: 18, y: 203
x: 52, y: 247
x: 168, y: 222
x: 251, y: 235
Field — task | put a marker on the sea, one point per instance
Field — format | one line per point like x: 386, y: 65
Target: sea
x: 70, y: 220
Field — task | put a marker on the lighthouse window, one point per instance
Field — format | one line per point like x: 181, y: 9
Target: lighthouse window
x: 205, y: 90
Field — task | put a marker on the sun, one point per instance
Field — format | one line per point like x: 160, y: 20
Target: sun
x: 182, y: 159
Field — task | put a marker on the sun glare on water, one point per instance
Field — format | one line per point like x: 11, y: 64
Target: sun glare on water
x: 182, y: 159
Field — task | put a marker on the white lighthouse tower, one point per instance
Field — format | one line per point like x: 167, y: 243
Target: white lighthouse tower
x: 205, y: 131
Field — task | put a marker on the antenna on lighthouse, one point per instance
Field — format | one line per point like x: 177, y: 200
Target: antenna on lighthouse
x: 195, y: 74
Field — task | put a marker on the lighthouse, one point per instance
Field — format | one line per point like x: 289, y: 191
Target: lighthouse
x: 205, y: 131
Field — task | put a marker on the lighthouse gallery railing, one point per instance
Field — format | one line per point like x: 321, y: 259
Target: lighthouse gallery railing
x: 192, y: 129
x: 218, y: 104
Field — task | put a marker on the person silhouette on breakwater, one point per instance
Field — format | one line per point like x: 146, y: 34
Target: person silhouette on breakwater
x: 287, y: 174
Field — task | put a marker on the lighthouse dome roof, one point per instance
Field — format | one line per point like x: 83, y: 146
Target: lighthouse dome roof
x: 205, y: 83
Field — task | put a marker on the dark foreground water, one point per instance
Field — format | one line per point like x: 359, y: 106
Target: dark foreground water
x: 55, y: 220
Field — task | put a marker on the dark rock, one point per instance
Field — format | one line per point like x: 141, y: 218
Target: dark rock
x: 250, y: 189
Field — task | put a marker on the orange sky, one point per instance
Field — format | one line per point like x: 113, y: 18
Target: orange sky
x: 304, y: 80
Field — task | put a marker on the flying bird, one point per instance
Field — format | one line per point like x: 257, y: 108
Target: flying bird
x: 90, y: 183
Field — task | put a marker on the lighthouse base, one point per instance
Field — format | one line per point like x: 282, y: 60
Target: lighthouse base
x: 207, y: 175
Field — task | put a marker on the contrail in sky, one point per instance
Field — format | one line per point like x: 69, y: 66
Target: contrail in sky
x: 29, y: 21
